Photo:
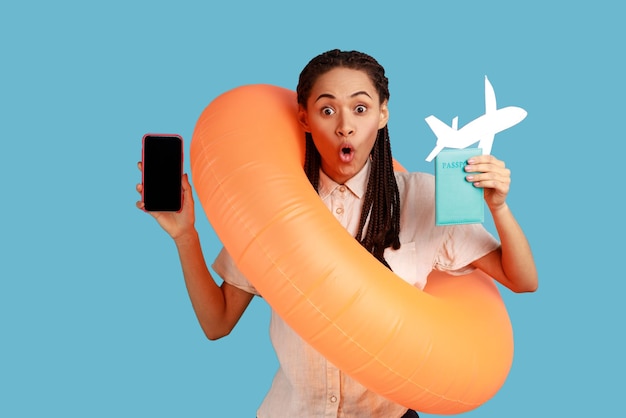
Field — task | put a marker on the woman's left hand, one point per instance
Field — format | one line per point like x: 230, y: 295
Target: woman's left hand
x: 491, y: 174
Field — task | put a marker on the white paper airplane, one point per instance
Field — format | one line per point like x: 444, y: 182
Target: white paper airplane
x: 482, y: 129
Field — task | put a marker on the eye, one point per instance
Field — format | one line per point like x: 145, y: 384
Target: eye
x: 328, y: 111
x: 360, y: 109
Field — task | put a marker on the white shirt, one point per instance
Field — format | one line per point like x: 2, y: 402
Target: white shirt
x: 306, y: 384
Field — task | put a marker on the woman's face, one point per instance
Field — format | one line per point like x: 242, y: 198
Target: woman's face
x: 343, y: 115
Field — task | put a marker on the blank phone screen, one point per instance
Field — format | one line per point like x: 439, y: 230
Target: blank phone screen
x: 162, y: 171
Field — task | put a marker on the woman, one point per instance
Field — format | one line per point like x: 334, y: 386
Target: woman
x: 343, y: 108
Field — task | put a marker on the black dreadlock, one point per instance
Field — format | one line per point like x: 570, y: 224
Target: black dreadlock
x: 381, y: 204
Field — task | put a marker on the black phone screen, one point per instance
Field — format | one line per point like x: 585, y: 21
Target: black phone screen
x: 162, y: 172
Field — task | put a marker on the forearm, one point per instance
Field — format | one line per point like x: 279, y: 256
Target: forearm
x: 207, y: 298
x: 517, y: 260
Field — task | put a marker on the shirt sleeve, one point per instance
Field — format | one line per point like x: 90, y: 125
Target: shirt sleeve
x: 226, y: 268
x: 462, y: 245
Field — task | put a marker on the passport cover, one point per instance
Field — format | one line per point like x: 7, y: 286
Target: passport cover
x: 457, y: 201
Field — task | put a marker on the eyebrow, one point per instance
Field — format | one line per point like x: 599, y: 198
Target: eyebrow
x: 330, y: 96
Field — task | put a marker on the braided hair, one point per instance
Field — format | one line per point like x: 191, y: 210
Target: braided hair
x: 382, y: 198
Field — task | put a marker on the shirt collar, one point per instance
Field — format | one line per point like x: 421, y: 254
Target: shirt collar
x: 356, y: 184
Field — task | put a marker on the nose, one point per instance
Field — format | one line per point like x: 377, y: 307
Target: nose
x: 345, y: 126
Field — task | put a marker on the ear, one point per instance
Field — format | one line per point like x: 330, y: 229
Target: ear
x: 303, y: 118
x: 384, y: 115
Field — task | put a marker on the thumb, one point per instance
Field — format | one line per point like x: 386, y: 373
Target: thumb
x: 185, y: 183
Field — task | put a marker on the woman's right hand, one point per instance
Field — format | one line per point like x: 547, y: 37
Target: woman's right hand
x: 176, y: 224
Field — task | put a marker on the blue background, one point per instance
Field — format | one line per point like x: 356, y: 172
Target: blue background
x: 94, y: 316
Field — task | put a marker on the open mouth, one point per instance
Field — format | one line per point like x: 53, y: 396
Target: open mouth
x: 346, y: 153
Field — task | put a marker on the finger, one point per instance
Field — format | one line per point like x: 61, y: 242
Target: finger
x: 488, y: 171
x: 490, y: 179
x: 492, y: 184
x: 139, y: 165
x: 484, y: 163
x: 187, y: 187
x: 139, y: 187
x: 187, y: 193
x: 500, y: 188
x: 486, y: 159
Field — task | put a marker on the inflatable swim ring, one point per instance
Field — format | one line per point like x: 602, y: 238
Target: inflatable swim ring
x: 444, y: 350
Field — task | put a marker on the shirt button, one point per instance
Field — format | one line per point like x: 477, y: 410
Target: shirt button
x: 333, y: 399
x: 342, y: 189
x: 339, y: 211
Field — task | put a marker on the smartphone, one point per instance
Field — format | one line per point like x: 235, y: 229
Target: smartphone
x: 162, y: 171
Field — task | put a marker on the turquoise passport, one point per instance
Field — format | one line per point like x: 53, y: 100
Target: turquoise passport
x: 457, y: 201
